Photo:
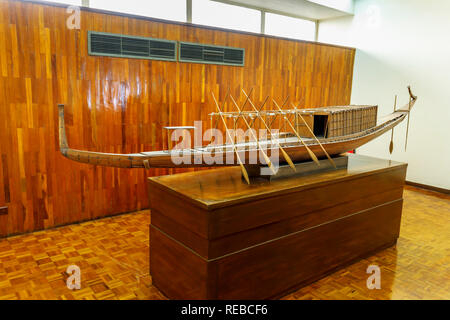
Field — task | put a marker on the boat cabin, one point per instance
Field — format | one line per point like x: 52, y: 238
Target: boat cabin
x: 328, y: 122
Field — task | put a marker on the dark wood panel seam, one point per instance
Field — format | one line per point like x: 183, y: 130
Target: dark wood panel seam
x: 7, y: 191
x: 276, y: 239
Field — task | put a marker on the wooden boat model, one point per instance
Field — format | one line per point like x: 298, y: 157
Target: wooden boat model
x: 304, y: 141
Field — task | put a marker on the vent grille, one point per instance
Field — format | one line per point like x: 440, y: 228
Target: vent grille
x: 117, y: 45
x: 191, y: 52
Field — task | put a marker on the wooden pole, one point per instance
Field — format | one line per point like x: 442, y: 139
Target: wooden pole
x: 241, y: 113
x: 309, y: 129
x: 253, y: 120
x: 391, y: 145
x: 311, y: 154
x: 245, y: 102
x: 285, y: 155
x: 280, y: 124
x: 407, y: 126
x: 266, y: 158
x: 244, y: 171
x: 218, y: 117
x: 282, y: 106
x: 211, y: 127
x: 411, y: 99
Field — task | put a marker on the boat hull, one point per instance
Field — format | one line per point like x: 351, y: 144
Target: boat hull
x: 227, y: 156
x: 298, y: 153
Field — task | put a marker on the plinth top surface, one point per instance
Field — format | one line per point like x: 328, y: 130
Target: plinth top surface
x: 222, y: 187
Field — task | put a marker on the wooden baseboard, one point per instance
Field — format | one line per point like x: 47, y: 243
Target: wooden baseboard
x: 427, y: 187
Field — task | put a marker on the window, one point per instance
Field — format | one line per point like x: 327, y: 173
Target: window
x: 222, y: 15
x: 341, y: 5
x: 68, y: 2
x: 283, y: 26
x: 164, y: 9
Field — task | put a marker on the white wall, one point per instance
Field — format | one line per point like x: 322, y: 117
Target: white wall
x: 401, y: 42
x: 341, y: 5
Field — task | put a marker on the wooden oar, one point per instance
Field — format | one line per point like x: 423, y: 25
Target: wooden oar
x: 266, y: 158
x: 260, y: 108
x: 391, y: 145
x: 326, y: 153
x: 311, y: 154
x: 239, y: 115
x: 412, y: 101
x: 407, y: 126
x: 245, y: 102
x: 223, y: 106
x: 285, y: 155
x: 244, y: 171
x: 282, y: 106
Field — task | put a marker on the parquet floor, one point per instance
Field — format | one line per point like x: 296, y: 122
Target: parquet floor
x: 113, y: 256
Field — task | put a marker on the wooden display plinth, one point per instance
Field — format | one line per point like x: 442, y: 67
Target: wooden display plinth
x: 215, y: 237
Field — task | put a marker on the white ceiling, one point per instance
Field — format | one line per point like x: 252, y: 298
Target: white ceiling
x: 310, y: 9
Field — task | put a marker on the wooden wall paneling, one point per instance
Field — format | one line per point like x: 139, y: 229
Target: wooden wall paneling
x: 122, y: 105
